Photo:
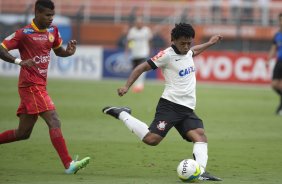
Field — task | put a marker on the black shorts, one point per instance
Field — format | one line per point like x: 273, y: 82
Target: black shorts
x: 277, y: 71
x: 137, y: 61
x: 169, y: 114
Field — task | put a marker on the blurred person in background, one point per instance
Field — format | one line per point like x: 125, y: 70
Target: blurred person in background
x: 178, y: 101
x: 139, y: 44
x: 276, y: 49
x: 34, y: 43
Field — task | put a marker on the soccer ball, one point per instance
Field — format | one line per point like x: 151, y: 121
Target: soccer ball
x: 188, y: 170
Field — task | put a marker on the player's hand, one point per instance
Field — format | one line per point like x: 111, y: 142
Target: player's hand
x: 71, y: 47
x: 28, y: 63
x: 215, y: 39
x: 122, y: 91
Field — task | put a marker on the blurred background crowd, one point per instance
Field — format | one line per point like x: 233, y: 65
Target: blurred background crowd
x: 247, y: 25
x: 101, y: 29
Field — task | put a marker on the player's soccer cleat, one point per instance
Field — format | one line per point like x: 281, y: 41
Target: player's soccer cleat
x: 76, y: 165
x: 115, y: 111
x: 208, y: 177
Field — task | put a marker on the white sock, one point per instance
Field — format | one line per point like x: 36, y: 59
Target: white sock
x: 134, y: 125
x: 200, y: 152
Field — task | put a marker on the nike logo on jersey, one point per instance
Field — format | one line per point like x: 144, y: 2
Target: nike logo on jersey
x: 177, y: 59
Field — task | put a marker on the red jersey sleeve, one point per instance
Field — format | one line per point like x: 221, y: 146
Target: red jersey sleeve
x: 58, y: 39
x: 13, y: 41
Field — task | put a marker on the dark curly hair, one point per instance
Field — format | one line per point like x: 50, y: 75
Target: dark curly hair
x: 41, y: 4
x: 182, y: 29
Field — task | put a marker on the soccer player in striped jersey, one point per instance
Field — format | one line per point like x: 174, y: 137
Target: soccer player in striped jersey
x: 178, y: 101
x: 34, y: 43
x: 276, y: 48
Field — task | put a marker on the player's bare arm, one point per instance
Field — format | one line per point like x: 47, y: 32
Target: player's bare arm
x: 271, y: 53
x: 6, y: 56
x: 197, y: 49
x: 133, y: 77
x: 70, y: 50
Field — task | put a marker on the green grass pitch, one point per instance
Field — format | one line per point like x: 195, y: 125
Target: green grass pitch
x: 244, y: 136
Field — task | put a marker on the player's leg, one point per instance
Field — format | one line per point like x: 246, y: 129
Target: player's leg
x: 152, y: 135
x: 58, y: 141
x: 23, y: 132
x: 276, y: 87
x: 36, y: 99
x: 192, y: 129
x: 138, y: 85
x: 134, y: 125
x: 277, y: 84
x: 200, y: 148
x: 27, y: 119
x: 139, y: 128
x: 279, y: 110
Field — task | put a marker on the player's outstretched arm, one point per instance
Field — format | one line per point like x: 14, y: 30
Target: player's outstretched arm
x: 133, y: 77
x: 70, y: 50
x: 197, y: 49
x: 6, y: 56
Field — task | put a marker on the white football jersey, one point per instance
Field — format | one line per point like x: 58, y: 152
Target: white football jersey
x: 140, y: 42
x: 179, y: 74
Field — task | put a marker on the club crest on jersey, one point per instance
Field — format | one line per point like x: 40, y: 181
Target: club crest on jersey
x: 161, y: 125
x: 51, y: 37
x: 28, y: 31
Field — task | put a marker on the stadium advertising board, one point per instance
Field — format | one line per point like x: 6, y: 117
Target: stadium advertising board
x: 117, y: 64
x: 85, y: 64
x: 232, y: 67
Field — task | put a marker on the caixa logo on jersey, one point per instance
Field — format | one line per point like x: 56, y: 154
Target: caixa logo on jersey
x: 116, y: 64
x: 41, y: 59
x: 186, y: 71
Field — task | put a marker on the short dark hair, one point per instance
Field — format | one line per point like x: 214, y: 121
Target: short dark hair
x: 41, y: 4
x: 182, y: 29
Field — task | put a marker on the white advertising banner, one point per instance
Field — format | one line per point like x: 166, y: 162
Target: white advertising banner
x: 86, y: 63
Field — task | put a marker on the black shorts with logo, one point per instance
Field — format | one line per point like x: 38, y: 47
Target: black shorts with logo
x: 169, y: 114
x: 277, y: 71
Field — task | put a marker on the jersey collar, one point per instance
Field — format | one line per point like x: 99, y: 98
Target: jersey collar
x: 175, y: 49
x: 36, y: 28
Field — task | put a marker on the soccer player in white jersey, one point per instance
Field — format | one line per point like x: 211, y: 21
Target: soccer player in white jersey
x: 139, y: 38
x: 177, y: 103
